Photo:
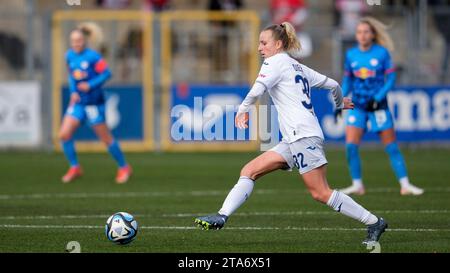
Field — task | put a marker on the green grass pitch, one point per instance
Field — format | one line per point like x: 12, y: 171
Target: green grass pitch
x: 40, y: 214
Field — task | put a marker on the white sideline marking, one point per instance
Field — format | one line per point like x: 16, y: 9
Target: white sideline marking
x: 52, y: 217
x: 179, y: 193
x: 228, y: 228
x: 119, y: 194
x: 177, y: 215
x: 310, y: 213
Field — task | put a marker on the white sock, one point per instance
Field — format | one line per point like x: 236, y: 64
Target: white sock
x: 344, y: 204
x: 404, y: 181
x: 357, y: 182
x: 237, y: 196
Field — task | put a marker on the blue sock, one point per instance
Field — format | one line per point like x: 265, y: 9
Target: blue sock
x: 397, y: 162
x: 116, y: 152
x: 69, y: 152
x: 353, y: 160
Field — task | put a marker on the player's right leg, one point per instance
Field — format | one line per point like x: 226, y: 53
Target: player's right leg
x: 69, y: 125
x: 354, y: 131
x: 258, y: 167
x: 316, y: 182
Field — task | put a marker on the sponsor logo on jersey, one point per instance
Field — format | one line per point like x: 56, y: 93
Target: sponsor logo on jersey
x: 262, y: 76
x: 365, y: 73
x: 265, y: 63
x: 78, y: 74
x: 297, y: 67
x: 374, y: 62
x: 84, y: 64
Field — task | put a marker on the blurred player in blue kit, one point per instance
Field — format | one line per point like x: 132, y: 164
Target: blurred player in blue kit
x: 88, y: 71
x: 369, y: 76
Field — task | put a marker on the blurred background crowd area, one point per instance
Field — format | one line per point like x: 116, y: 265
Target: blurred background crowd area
x: 218, y: 50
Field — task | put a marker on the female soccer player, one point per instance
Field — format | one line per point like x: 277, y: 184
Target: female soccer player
x: 88, y: 71
x: 288, y: 83
x: 369, y: 75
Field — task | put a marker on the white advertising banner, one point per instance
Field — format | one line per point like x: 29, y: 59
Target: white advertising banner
x: 20, y: 114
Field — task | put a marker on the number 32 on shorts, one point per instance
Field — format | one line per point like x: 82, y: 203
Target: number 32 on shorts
x: 299, y: 164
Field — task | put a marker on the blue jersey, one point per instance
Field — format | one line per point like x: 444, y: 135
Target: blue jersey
x: 369, y: 75
x: 87, y: 66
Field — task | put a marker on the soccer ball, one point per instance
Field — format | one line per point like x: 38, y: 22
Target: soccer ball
x: 121, y: 228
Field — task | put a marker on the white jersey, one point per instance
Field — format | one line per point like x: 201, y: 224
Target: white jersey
x: 289, y: 84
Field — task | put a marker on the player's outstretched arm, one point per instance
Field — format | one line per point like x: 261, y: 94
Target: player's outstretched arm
x: 388, y: 86
x: 346, y: 85
x: 340, y: 101
x: 242, y: 115
x: 99, y: 79
x: 335, y: 88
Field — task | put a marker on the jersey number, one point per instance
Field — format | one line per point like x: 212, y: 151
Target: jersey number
x: 306, y: 91
x: 299, y: 164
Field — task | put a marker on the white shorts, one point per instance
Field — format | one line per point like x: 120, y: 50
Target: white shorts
x: 306, y: 154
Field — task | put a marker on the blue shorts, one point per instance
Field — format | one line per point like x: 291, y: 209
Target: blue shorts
x: 94, y: 114
x: 376, y: 121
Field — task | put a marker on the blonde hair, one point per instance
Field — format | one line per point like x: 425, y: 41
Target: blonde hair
x: 379, y: 29
x: 92, y: 33
x: 285, y: 33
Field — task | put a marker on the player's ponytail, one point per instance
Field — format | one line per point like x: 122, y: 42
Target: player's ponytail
x: 293, y: 43
x: 379, y: 29
x: 285, y: 33
x: 93, y: 34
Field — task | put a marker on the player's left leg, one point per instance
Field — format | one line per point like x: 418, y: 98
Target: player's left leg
x: 103, y: 133
x: 312, y: 164
x: 97, y: 119
x: 398, y: 163
x: 316, y: 182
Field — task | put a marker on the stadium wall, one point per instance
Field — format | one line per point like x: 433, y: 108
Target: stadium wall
x: 421, y: 112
